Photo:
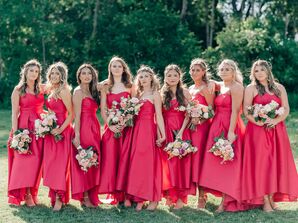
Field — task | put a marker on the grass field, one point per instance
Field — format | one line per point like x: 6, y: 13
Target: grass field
x: 105, y: 213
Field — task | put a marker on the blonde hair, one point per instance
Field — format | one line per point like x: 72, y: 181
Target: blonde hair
x: 126, y: 75
x: 155, y: 84
x: 272, y: 86
x: 63, y: 72
x: 22, y: 85
x: 204, y: 67
x: 237, y: 73
x: 166, y: 92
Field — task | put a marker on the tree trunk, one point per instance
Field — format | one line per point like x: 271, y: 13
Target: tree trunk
x: 43, y: 50
x: 94, y: 30
x: 287, y: 21
x: 212, y: 24
x: 184, y: 9
x: 207, y: 22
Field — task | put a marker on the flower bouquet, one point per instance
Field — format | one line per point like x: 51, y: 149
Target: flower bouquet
x: 20, y: 141
x: 45, y: 125
x: 262, y: 112
x: 179, y: 148
x: 223, y: 148
x: 86, y: 157
x: 196, y: 110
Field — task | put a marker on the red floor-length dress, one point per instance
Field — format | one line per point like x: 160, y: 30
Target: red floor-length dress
x: 89, y: 136
x: 144, y: 174
x: 224, y: 178
x: 199, y: 138
x: 176, y: 172
x: 115, y: 156
x: 56, y: 162
x: 24, y: 170
x: 269, y: 166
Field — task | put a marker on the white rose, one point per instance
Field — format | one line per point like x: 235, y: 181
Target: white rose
x: 134, y: 100
x: 115, y: 119
x: 221, y: 141
x: 14, y: 143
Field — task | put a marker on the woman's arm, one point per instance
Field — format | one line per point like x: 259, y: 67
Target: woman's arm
x: 208, y: 96
x: 15, y: 109
x: 161, y: 136
x: 77, y: 104
x: 237, y: 99
x: 133, y: 91
x: 187, y: 96
x: 103, y: 105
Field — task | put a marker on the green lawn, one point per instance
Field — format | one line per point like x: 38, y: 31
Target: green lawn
x: 105, y: 213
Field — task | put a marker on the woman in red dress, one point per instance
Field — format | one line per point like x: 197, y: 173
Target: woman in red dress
x: 56, y: 173
x: 87, y: 133
x: 200, y: 93
x: 144, y: 173
x: 176, y: 172
x: 269, y: 172
x: 115, y: 151
x: 225, y: 179
x: 24, y: 170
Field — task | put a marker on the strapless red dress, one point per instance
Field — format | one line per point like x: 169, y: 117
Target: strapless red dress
x: 24, y: 170
x: 56, y: 162
x: 89, y: 136
x: 268, y: 166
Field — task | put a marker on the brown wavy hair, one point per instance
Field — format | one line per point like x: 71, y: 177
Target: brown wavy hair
x: 126, y: 75
x: 22, y: 85
x: 167, y: 94
x: 93, y: 84
x: 204, y: 67
x: 63, y: 71
x: 155, y: 84
x: 272, y: 86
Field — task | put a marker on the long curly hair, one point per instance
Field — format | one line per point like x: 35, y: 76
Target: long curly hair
x: 22, y: 85
x: 237, y: 73
x: 126, y: 75
x: 155, y: 83
x: 93, y: 84
x: 63, y: 72
x: 204, y: 66
x: 167, y: 94
x: 272, y: 86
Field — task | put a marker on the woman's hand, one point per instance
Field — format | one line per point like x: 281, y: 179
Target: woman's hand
x: 114, y: 128
x: 160, y: 141
x: 231, y: 136
x: 271, y: 122
x: 76, y: 141
x: 56, y: 131
x: 259, y: 123
x: 195, y: 121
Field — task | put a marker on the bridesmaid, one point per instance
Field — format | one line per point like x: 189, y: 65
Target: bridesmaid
x: 24, y: 170
x: 200, y: 93
x: 56, y: 173
x: 217, y: 177
x: 87, y: 133
x: 144, y: 174
x: 176, y: 172
x: 115, y: 151
x: 269, y: 172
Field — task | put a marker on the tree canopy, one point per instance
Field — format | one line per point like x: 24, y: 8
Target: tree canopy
x: 152, y: 32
